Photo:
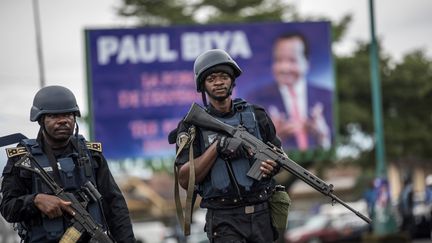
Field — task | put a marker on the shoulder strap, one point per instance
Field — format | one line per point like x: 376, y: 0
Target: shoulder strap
x: 186, y: 218
x: 239, y: 104
x: 238, y: 101
x: 85, y: 157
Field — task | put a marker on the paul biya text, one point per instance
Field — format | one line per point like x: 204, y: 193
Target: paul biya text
x: 143, y: 48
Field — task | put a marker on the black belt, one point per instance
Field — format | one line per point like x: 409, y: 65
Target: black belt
x: 243, y: 209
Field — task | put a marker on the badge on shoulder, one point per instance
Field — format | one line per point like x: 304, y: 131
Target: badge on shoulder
x: 94, y: 146
x: 183, y: 139
x: 12, y: 152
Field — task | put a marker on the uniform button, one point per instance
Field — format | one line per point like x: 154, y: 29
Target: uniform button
x: 223, y: 200
x: 260, y: 196
x: 235, y: 200
x: 215, y: 233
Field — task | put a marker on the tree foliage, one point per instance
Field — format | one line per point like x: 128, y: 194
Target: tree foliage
x: 407, y: 92
x: 169, y: 12
x: 158, y: 12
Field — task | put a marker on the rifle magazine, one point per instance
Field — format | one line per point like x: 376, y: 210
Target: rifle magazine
x: 72, y: 235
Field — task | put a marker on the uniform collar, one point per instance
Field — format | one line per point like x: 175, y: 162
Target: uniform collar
x: 215, y: 112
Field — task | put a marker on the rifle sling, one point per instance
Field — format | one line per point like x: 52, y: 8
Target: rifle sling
x: 53, y: 162
x: 186, y: 218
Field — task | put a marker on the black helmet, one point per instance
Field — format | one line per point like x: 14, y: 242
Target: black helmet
x: 212, y: 58
x: 53, y: 100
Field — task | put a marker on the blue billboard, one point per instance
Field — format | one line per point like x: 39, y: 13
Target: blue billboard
x: 142, y: 82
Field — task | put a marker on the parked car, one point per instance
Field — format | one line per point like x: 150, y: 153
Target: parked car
x: 329, y: 227
x: 149, y: 231
x: 351, y: 228
x: 296, y: 219
x: 318, y: 228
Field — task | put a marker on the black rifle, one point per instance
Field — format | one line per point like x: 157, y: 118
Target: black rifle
x: 81, y: 221
x: 11, y: 139
x: 261, y: 152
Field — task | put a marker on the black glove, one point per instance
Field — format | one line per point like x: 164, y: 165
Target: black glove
x: 230, y: 148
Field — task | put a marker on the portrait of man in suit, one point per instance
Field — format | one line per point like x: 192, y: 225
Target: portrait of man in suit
x: 300, y: 110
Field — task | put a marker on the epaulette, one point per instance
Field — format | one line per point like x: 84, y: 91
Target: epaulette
x: 12, y: 152
x: 94, y: 146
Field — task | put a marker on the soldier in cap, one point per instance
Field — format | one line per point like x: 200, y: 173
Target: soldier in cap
x: 237, y: 205
x: 72, y: 162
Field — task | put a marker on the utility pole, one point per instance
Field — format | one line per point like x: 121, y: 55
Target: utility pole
x: 39, y: 43
x: 383, y: 220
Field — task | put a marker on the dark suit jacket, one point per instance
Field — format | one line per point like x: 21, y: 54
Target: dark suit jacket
x: 270, y: 96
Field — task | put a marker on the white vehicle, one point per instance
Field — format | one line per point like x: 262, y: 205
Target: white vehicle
x: 149, y: 232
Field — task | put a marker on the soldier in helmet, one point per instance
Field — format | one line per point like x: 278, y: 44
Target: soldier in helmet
x: 237, y: 206
x: 71, y: 161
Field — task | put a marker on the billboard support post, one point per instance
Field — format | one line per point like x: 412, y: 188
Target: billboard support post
x: 383, y: 220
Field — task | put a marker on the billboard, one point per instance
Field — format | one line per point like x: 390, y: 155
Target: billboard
x: 142, y: 82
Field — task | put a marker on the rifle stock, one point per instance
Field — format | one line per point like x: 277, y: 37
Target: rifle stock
x: 81, y: 221
x: 200, y: 118
x: 261, y: 152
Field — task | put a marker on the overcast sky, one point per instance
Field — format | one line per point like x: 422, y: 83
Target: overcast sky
x: 402, y: 25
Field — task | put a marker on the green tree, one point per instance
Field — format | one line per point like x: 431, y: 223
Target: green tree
x: 354, y: 99
x: 169, y: 12
x: 158, y: 12
x: 228, y: 11
x: 407, y: 95
x: 175, y: 12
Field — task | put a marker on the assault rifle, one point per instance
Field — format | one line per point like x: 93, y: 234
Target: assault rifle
x: 261, y: 152
x: 81, y: 221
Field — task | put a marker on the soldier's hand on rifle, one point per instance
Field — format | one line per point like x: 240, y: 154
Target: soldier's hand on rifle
x: 268, y: 168
x: 231, y: 148
x: 52, y: 206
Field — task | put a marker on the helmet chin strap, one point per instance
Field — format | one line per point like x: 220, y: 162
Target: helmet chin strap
x: 81, y: 153
x: 76, y: 128
x: 204, y: 98
x: 42, y: 129
x: 230, y: 90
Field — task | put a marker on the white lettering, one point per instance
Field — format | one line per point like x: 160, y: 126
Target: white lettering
x: 107, y: 46
x: 147, y: 52
x: 128, y: 51
x: 235, y: 43
x: 165, y: 54
x: 220, y: 40
x: 156, y: 47
x: 190, y: 44
x: 240, y: 46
